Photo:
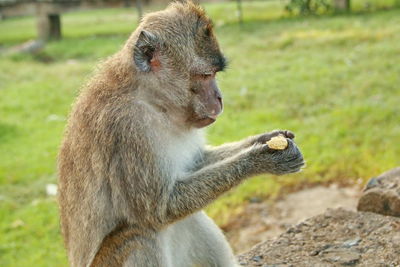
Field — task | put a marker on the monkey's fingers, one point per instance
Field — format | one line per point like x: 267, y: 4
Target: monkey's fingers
x: 285, y: 133
x: 263, y: 138
x: 288, y: 134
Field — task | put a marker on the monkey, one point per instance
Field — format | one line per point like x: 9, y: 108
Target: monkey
x: 134, y: 168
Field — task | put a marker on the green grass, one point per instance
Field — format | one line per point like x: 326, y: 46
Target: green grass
x: 334, y: 80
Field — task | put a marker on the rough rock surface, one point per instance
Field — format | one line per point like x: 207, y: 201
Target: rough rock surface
x: 260, y: 221
x: 382, y: 194
x: 336, y: 238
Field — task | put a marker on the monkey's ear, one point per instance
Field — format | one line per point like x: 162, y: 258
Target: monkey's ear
x: 145, y: 52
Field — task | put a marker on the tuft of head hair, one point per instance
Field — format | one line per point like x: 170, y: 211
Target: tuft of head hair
x: 188, y: 6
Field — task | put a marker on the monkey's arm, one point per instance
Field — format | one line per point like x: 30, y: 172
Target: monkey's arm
x: 200, y: 188
x: 142, y: 188
x: 214, y: 154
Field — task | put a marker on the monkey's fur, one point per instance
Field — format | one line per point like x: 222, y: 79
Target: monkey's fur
x: 134, y: 170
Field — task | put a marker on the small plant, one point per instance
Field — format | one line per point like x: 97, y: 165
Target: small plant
x: 308, y: 7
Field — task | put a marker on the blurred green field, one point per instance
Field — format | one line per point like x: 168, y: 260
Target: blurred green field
x: 333, y: 80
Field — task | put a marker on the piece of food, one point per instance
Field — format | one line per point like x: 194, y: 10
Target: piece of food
x: 277, y: 142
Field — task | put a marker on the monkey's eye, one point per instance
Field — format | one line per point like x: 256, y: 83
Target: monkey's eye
x: 204, y: 75
x: 207, y: 75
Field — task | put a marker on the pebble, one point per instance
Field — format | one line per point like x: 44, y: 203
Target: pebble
x: 51, y: 189
x: 257, y: 258
x: 352, y: 242
x: 341, y: 256
x: 372, y: 183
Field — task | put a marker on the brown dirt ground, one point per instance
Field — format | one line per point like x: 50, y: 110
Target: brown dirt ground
x: 262, y: 221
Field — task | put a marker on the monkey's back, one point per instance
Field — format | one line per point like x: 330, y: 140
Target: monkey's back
x: 80, y: 188
x: 86, y: 210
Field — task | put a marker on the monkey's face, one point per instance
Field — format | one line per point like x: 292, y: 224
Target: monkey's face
x: 207, y: 61
x: 178, y: 48
x: 206, y: 102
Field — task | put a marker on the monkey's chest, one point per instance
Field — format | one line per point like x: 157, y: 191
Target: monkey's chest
x: 180, y: 154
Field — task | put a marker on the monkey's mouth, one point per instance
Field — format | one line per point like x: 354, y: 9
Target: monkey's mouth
x: 203, y: 122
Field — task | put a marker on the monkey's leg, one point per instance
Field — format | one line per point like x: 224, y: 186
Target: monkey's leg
x: 195, y: 241
x: 128, y: 246
x: 148, y: 256
x: 211, y: 246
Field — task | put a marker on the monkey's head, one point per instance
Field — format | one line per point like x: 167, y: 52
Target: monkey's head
x: 177, y: 56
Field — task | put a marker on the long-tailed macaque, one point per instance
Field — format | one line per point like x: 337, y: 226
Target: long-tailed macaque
x: 134, y: 170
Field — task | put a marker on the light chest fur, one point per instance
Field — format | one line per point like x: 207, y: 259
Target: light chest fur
x: 181, y: 152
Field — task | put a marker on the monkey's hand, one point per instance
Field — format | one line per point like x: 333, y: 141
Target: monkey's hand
x: 215, y: 154
x: 263, y: 159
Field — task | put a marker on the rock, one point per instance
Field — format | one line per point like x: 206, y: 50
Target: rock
x: 352, y: 242
x: 55, y: 117
x: 348, y: 238
x: 256, y: 258
x: 341, y: 256
x: 30, y: 47
x: 255, y: 200
x: 51, y: 189
x: 382, y: 194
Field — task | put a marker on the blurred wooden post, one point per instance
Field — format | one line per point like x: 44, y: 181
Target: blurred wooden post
x: 48, y: 14
x: 341, y: 5
x: 139, y: 9
x: 49, y: 26
x: 127, y: 3
x: 55, y: 26
x: 239, y: 11
x: 48, y: 21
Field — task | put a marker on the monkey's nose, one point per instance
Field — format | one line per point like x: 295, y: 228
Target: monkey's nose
x: 219, y: 98
x: 220, y: 102
x: 216, y: 110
